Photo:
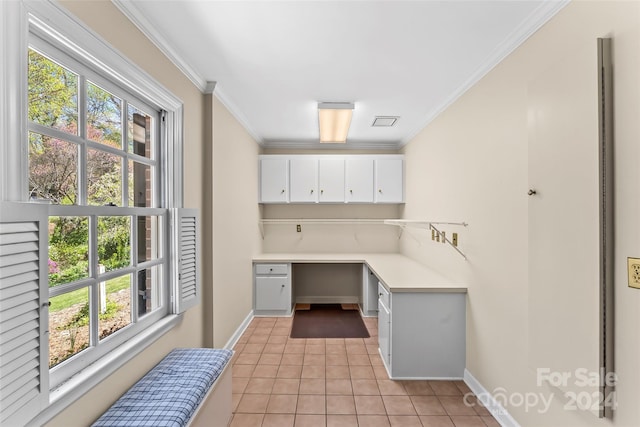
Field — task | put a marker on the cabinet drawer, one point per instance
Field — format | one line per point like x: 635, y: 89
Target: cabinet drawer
x: 383, y: 295
x: 272, y: 269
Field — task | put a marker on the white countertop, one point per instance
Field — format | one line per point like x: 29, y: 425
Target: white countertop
x: 397, y: 272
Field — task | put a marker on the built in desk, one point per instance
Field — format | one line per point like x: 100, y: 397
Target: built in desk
x: 421, y: 314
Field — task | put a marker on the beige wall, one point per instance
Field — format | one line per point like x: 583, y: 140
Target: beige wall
x: 236, y: 236
x: 323, y: 238
x: 103, y: 17
x: 472, y: 164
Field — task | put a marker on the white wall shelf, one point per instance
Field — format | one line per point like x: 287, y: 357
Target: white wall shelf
x: 434, y: 226
x: 319, y: 221
x: 429, y: 225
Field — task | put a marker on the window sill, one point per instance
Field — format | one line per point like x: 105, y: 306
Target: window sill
x: 68, y: 392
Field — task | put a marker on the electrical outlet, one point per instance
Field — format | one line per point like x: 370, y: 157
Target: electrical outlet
x: 454, y: 239
x: 298, y: 228
x: 633, y: 265
x: 444, y: 237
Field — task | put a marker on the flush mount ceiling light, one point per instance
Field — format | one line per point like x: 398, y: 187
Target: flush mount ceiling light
x: 334, y: 119
x: 384, y: 121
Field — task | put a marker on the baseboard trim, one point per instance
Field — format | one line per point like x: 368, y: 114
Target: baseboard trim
x: 327, y: 300
x: 497, y: 410
x: 238, y: 333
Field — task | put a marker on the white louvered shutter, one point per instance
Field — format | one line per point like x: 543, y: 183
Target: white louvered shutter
x: 187, y: 288
x: 24, y: 350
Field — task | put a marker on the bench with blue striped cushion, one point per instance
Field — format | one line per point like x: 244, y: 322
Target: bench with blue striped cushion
x: 168, y: 395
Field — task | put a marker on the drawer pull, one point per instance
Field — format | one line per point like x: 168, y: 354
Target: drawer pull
x: 283, y: 286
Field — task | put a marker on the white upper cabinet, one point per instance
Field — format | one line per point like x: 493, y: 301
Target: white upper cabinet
x: 389, y: 180
x: 274, y: 180
x: 331, y: 180
x: 359, y: 179
x: 303, y: 177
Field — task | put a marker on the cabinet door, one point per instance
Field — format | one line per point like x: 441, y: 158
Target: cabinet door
x: 273, y: 293
x: 273, y: 180
x: 384, y: 333
x: 359, y: 180
x: 331, y: 180
x: 304, y: 180
x: 389, y: 180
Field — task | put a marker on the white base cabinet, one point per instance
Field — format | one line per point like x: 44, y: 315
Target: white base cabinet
x: 272, y: 289
x: 422, y: 335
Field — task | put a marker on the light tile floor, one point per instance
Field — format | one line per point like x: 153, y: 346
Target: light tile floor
x: 291, y: 382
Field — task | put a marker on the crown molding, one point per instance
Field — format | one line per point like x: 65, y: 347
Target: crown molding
x: 206, y: 87
x: 142, y: 23
x: 236, y: 113
x: 526, y: 29
x: 211, y: 86
x: 315, y: 145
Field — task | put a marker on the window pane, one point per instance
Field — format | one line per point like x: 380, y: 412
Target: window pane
x: 53, y: 94
x: 68, y: 325
x: 53, y: 169
x: 139, y: 132
x: 114, y: 242
x: 115, y: 305
x: 148, y: 290
x: 104, y: 178
x: 140, y: 185
x: 68, y: 249
x: 148, y: 227
x: 104, y: 119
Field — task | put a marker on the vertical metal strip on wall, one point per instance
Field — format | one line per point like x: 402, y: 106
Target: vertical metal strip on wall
x: 605, y: 130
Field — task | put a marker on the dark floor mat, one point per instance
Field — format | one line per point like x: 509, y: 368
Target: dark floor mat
x: 328, y: 321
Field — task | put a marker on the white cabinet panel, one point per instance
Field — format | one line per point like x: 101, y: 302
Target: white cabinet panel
x: 422, y: 335
x: 389, y: 180
x: 359, y: 179
x: 384, y: 333
x: 369, y: 292
x: 303, y: 179
x: 331, y: 180
x: 273, y: 293
x: 274, y: 176
x: 272, y: 289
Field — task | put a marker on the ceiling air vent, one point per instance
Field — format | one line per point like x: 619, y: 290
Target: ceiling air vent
x: 384, y: 121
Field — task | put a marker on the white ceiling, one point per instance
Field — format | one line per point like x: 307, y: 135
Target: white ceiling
x: 273, y: 61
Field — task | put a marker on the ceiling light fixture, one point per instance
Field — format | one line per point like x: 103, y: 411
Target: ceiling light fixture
x: 334, y: 119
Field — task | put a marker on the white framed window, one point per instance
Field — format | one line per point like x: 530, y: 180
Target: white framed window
x: 94, y: 154
x: 95, y: 143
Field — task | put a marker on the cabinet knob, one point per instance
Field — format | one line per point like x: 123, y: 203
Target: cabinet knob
x: 271, y: 269
x: 283, y: 286
x: 311, y: 191
x: 282, y: 192
x: 351, y: 191
x: 532, y: 192
x: 321, y: 191
x: 380, y: 294
x: 380, y: 191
